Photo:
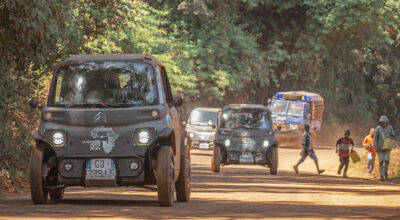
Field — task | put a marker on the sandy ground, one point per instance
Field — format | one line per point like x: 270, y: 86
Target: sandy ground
x: 238, y: 192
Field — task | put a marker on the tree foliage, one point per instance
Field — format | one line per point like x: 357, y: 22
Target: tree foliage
x: 344, y: 50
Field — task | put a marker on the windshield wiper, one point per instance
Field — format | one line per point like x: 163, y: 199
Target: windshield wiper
x: 97, y: 104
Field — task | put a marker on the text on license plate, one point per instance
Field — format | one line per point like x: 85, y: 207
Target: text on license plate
x: 246, y: 157
x: 100, y: 169
x: 204, y: 145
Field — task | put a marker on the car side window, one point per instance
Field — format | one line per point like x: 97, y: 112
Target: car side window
x: 167, y: 87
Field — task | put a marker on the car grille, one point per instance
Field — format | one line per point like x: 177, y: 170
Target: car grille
x: 205, y: 136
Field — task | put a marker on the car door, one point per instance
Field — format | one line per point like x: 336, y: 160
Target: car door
x: 174, y: 116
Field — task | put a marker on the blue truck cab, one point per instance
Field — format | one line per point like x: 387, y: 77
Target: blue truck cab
x: 291, y: 110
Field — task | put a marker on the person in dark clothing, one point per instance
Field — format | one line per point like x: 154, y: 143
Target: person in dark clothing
x: 343, y: 149
x: 307, y: 150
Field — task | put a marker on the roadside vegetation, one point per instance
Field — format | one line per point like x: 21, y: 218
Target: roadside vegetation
x: 216, y: 52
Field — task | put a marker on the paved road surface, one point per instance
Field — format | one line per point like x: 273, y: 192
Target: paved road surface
x: 238, y: 192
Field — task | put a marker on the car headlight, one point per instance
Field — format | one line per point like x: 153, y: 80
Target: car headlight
x: 144, y: 137
x: 227, y: 143
x: 266, y: 143
x: 191, y: 134
x: 58, y: 138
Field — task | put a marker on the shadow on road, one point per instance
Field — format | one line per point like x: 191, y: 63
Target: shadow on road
x: 112, y: 202
x: 256, y: 181
x: 236, y: 192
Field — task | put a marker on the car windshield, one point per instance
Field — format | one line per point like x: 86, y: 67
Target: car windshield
x: 245, y: 118
x: 105, y: 84
x: 287, y: 108
x: 278, y: 107
x: 203, y: 118
x: 295, y: 109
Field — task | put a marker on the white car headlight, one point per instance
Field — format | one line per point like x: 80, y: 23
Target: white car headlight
x: 144, y: 137
x: 227, y: 143
x: 58, y: 138
x: 191, y: 134
x: 266, y: 143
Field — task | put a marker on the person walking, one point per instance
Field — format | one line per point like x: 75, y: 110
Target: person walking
x: 343, y: 149
x: 368, y: 145
x: 383, y: 131
x: 307, y: 150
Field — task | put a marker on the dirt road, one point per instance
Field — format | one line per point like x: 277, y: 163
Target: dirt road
x: 240, y: 192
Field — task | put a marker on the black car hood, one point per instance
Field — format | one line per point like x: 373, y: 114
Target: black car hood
x: 102, y: 116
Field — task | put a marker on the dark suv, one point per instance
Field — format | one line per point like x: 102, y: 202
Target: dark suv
x: 245, y: 135
x: 110, y: 120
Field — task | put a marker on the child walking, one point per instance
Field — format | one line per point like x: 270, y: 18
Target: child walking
x: 370, y: 150
x: 343, y: 148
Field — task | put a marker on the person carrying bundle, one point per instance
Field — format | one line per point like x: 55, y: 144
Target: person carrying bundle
x: 383, y: 143
x: 343, y: 149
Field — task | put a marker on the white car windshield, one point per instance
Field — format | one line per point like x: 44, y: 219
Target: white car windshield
x: 203, y: 118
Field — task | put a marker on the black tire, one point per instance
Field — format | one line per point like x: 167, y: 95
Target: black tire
x: 37, y: 167
x: 183, y: 183
x: 57, y: 194
x: 216, y: 159
x: 274, y: 161
x: 165, y: 176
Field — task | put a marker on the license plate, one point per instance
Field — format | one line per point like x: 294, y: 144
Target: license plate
x: 100, y: 169
x: 204, y: 146
x: 246, y: 157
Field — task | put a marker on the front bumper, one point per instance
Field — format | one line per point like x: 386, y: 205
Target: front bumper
x: 203, y: 145
x: 202, y: 140
x: 124, y: 175
x: 234, y: 157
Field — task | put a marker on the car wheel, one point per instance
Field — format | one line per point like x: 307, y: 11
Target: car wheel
x: 56, y: 194
x: 37, y: 174
x: 274, y: 161
x: 183, y: 183
x: 165, y: 176
x: 216, y: 159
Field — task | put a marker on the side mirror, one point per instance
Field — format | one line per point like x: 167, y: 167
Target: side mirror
x: 178, y: 101
x: 269, y: 101
x: 34, y: 103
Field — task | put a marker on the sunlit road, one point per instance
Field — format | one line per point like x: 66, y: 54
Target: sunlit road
x: 237, y: 192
